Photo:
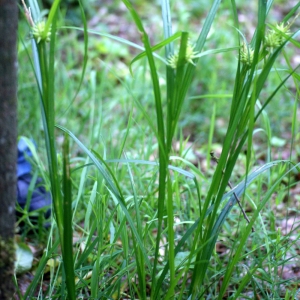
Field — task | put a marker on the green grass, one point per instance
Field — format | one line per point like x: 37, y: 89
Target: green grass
x: 139, y: 207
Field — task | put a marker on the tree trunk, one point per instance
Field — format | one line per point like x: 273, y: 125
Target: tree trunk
x: 8, y: 142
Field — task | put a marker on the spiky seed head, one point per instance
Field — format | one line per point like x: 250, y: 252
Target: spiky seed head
x: 39, y: 32
x: 190, y: 54
x: 275, y: 38
x: 246, y: 54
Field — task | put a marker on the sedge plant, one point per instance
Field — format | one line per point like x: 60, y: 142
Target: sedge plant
x: 167, y: 276
x: 250, y: 78
x: 43, y: 45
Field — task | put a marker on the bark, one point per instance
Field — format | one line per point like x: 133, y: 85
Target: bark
x: 8, y: 146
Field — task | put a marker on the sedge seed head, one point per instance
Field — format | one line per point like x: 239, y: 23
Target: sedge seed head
x: 172, y: 61
x: 246, y: 54
x: 190, y: 54
x: 275, y: 38
x: 39, y: 32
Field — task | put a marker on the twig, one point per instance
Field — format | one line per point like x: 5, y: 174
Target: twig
x: 28, y: 14
x: 215, y: 159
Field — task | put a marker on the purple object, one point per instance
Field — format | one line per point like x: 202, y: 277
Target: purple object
x: 40, y: 197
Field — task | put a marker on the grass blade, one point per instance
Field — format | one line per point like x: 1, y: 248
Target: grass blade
x: 68, y: 216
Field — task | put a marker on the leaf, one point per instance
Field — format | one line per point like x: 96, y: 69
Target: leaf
x: 277, y: 142
x: 180, y: 258
x: 24, y: 258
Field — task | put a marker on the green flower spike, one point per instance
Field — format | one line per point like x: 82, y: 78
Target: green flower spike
x: 190, y: 54
x: 246, y: 54
x: 39, y: 33
x: 275, y: 38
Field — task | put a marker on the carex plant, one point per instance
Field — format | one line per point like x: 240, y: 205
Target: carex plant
x: 43, y: 48
x: 255, y: 60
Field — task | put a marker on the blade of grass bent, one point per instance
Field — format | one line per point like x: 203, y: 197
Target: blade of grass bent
x: 153, y: 163
x: 112, y: 189
x: 95, y: 161
x: 115, y: 38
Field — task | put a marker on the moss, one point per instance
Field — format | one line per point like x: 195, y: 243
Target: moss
x: 7, y: 251
x: 7, y: 260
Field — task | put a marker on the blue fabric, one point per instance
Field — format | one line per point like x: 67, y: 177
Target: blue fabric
x: 23, y: 166
x: 40, y: 197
